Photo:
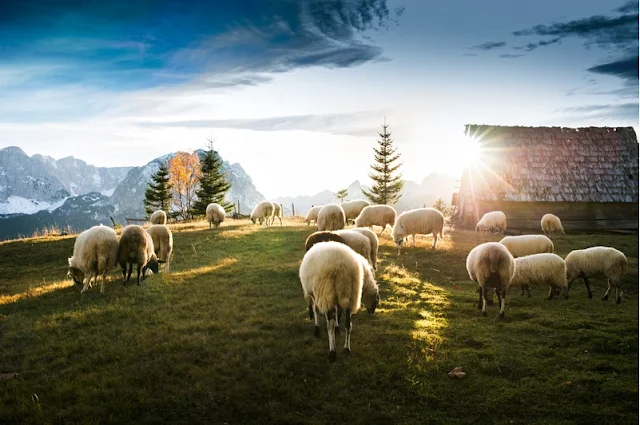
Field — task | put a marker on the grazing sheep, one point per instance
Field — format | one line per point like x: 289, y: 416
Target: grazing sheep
x: 492, y: 266
x: 421, y: 221
x: 334, y: 276
x: 136, y: 246
x: 377, y: 215
x: 323, y: 236
x: 162, y: 243
x: 331, y: 217
x: 158, y: 217
x: 277, y: 212
x: 215, y: 215
x: 541, y: 269
x: 353, y: 208
x: 95, y: 252
x: 358, y: 242
x: 551, y: 224
x: 598, y: 262
x: 262, y: 212
x: 312, y: 215
x: 519, y: 246
x: 373, y: 239
x: 494, y: 220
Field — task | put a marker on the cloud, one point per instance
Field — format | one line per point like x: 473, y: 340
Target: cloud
x: 626, y: 68
x: 510, y: 56
x: 363, y: 123
x: 624, y: 113
x: 489, y: 45
x: 532, y: 46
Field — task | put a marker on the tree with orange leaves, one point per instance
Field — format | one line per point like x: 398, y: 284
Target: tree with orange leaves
x: 185, y: 175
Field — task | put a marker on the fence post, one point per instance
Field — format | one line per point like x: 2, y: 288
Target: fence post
x: 293, y: 210
x: 238, y: 206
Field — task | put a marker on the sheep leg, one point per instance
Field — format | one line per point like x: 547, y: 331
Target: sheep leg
x: 586, y: 283
x: 606, y: 294
x: 502, y: 299
x: 479, y: 291
x: 435, y: 240
x: 414, y: 241
x: 484, y: 300
x: 124, y: 274
x: 551, y: 292
x: 331, y: 330
x: 138, y: 274
x: 316, y: 328
x: 618, y: 293
x: 104, y: 276
x: 347, y: 331
x: 382, y: 231
x: 528, y: 291
x: 85, y: 285
x: 280, y: 218
x: 129, y: 272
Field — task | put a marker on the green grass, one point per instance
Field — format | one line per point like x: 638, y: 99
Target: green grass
x: 225, y: 338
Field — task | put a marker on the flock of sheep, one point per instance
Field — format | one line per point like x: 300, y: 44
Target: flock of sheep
x: 337, y: 272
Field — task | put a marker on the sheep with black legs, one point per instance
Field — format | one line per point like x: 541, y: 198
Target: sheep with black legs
x: 598, y: 262
x: 334, y: 276
x: 95, y: 253
x: 492, y: 266
x: 421, y: 221
x: 541, y: 269
x: 136, y: 247
x: 162, y: 244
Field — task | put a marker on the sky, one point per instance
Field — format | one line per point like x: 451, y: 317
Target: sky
x: 296, y: 90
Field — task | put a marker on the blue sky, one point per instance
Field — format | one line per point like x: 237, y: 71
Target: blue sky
x: 296, y: 90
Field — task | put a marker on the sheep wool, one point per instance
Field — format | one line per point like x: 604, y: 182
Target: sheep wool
x: 324, y: 236
x: 334, y: 276
x: 277, y: 213
x: 551, y: 224
x: 598, y: 262
x: 421, y: 221
x: 492, y: 221
x: 95, y: 253
x: 519, y: 246
x: 331, y: 217
x: 215, y: 215
x: 312, y: 215
x: 262, y: 213
x: 377, y: 215
x: 373, y: 240
x: 491, y: 265
x: 541, y: 269
x: 158, y: 217
x: 162, y: 243
x: 358, y: 242
x: 353, y: 208
x: 136, y: 246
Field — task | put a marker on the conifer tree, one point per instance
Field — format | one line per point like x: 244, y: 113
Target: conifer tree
x: 213, y: 184
x: 387, y: 183
x: 341, y: 194
x: 158, y: 193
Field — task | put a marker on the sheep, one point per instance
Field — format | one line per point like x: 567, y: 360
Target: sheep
x: 312, y: 215
x: 353, y: 208
x: 373, y: 239
x: 334, y: 276
x: 277, y: 212
x: 262, y: 212
x: 323, y: 236
x: 598, y: 262
x: 215, y: 215
x: 491, y: 221
x: 551, y: 224
x: 420, y: 221
x: 162, y: 243
x: 357, y: 241
x: 519, y: 246
x: 540, y: 269
x: 376, y: 215
x: 491, y: 265
x: 95, y: 252
x: 136, y: 246
x: 331, y: 217
x: 158, y: 217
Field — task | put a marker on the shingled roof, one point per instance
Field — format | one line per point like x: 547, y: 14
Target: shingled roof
x: 557, y: 164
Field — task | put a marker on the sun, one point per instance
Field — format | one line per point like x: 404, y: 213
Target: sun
x: 470, y: 151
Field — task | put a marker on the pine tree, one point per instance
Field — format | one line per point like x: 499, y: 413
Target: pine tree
x: 343, y: 193
x: 442, y: 206
x: 158, y: 193
x: 213, y: 184
x: 386, y: 187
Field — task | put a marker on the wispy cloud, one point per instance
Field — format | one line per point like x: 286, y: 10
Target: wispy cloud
x: 510, y: 56
x: 625, y: 112
x: 489, y: 45
x: 532, y: 46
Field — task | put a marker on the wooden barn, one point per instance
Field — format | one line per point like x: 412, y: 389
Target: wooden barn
x: 586, y: 176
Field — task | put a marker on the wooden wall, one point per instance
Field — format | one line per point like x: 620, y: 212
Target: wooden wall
x: 574, y: 215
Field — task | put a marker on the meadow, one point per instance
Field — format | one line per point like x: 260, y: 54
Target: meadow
x: 225, y: 338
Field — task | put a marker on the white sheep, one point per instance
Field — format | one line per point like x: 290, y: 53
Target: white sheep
x: 95, y: 253
x: 357, y: 241
x: 421, y: 221
x: 541, y: 269
x: 491, y: 265
x: 373, y: 239
x: 312, y: 215
x: 551, y: 224
x: 334, y: 276
x: 353, y: 208
x: 136, y: 246
x: 215, y: 215
x: 277, y: 213
x: 377, y: 215
x: 158, y: 217
x: 598, y: 262
x: 519, y: 246
x: 331, y: 217
x: 494, y: 220
x: 162, y: 243
x: 263, y: 212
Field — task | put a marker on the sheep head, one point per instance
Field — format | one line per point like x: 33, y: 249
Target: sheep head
x: 76, y: 274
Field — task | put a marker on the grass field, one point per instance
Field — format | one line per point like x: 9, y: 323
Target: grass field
x: 225, y: 338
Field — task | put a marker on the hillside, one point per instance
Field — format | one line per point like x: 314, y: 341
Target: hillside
x: 225, y: 338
